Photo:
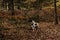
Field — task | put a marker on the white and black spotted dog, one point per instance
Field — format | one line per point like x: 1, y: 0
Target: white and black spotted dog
x: 34, y: 25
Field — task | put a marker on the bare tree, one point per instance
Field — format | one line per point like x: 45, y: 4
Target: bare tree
x: 55, y: 12
x: 18, y: 4
x: 11, y: 6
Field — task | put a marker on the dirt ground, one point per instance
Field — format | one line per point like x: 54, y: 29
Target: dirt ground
x: 9, y: 30
x: 14, y: 28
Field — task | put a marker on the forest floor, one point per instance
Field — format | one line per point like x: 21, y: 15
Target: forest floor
x: 46, y: 31
x: 19, y: 30
x: 16, y: 28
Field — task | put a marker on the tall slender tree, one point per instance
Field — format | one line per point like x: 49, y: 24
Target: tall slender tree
x: 18, y: 4
x: 11, y: 6
x: 3, y: 3
x: 55, y: 12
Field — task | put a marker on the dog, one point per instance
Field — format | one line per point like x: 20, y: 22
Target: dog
x: 34, y: 25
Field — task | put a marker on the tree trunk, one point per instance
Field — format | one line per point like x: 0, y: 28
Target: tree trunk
x: 18, y: 7
x: 40, y: 6
x: 8, y: 6
x: 18, y: 4
x: 55, y: 12
x: 11, y: 6
x: 3, y: 3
